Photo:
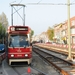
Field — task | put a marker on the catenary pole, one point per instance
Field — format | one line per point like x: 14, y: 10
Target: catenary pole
x: 69, y: 32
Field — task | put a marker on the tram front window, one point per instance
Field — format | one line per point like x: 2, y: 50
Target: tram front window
x: 18, y: 41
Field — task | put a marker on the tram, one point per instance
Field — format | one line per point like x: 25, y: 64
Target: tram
x: 18, y: 45
x: 18, y: 48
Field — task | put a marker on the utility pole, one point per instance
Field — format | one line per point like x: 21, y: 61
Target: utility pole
x: 69, y: 32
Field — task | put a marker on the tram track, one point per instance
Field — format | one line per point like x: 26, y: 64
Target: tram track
x: 16, y: 71
x: 52, y: 52
x: 61, y: 65
x: 19, y: 70
x: 61, y: 50
x: 43, y: 67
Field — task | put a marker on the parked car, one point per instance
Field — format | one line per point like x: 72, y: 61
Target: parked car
x: 2, y: 48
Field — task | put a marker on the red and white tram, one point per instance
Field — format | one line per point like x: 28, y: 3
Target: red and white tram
x: 18, y: 45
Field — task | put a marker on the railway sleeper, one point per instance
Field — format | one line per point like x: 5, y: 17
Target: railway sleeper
x: 71, y: 71
x: 72, y: 66
x: 65, y: 66
x: 67, y: 69
x: 61, y: 64
x: 58, y: 62
x: 50, y: 57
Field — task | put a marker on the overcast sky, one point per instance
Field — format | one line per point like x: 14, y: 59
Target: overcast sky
x: 39, y: 17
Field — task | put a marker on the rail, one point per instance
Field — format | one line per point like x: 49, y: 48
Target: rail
x: 60, y: 64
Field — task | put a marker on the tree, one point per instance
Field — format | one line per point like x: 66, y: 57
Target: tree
x: 4, y: 20
x: 2, y: 33
x: 50, y: 33
x: 32, y: 33
x: 3, y: 26
x: 0, y: 30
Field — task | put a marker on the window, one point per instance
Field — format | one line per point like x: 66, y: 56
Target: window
x: 73, y: 37
x: 63, y: 33
x: 18, y: 41
x: 73, y: 22
x: 73, y: 31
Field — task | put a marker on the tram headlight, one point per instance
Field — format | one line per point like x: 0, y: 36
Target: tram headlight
x: 12, y: 55
x: 12, y: 29
x: 26, y: 55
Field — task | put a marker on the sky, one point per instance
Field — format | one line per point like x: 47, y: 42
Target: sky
x: 39, y: 17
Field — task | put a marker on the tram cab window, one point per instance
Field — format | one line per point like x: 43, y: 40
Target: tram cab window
x: 24, y: 41
x: 14, y: 42
x: 18, y: 41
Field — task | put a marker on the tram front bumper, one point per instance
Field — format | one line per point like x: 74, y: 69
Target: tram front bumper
x: 20, y: 60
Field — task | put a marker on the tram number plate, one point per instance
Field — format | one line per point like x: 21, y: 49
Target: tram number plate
x: 19, y: 55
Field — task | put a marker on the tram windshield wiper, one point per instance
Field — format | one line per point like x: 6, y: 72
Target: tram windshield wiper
x: 11, y: 44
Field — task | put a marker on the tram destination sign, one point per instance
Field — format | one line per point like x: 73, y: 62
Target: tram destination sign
x: 21, y: 29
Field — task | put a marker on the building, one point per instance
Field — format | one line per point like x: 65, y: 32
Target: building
x: 44, y: 37
x: 61, y: 31
x: 41, y: 37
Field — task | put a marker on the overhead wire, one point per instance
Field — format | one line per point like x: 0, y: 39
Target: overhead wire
x: 39, y: 1
x: 48, y: 4
x: 20, y: 1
